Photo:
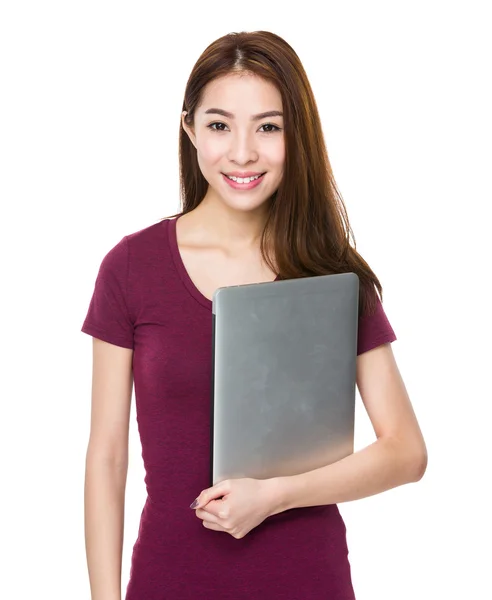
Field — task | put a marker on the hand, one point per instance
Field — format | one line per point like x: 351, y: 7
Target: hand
x: 245, y: 504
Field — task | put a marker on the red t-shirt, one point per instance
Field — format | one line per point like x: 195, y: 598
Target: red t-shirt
x: 145, y: 300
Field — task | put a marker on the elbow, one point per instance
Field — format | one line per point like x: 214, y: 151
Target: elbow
x: 422, y: 467
x: 417, y: 463
x: 412, y: 459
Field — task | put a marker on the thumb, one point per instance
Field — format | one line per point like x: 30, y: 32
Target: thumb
x: 217, y: 491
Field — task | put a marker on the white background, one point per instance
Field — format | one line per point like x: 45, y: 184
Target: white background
x: 91, y: 95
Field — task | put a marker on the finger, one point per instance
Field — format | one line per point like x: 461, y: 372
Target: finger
x: 217, y: 491
x: 218, y: 508
x: 214, y: 526
x: 206, y: 515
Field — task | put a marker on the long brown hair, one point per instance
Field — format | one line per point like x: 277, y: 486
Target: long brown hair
x: 307, y: 227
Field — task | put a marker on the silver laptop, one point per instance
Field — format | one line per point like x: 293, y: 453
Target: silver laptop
x: 284, y: 376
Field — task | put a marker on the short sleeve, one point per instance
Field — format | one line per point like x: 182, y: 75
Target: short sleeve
x: 108, y: 317
x: 374, y: 330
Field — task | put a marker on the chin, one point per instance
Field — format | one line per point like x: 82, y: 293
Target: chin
x: 246, y: 205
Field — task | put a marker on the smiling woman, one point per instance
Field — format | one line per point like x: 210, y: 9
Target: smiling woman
x: 270, y: 122
x: 259, y: 204
x: 241, y: 138
x: 243, y: 179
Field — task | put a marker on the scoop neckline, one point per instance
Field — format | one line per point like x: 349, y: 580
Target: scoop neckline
x: 181, y: 269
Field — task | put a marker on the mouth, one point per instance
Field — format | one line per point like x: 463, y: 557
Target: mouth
x: 245, y: 183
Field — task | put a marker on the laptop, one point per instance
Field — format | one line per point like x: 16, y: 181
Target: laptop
x: 283, y: 376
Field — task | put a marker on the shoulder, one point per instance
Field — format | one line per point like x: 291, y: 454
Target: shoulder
x: 150, y: 256
x: 139, y: 248
x: 148, y: 239
x: 138, y: 251
x: 374, y: 329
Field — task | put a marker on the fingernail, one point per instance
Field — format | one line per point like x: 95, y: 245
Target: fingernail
x: 194, y: 504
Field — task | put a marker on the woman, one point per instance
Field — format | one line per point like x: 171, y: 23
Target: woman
x: 259, y: 202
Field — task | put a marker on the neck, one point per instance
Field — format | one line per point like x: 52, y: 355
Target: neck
x: 233, y: 228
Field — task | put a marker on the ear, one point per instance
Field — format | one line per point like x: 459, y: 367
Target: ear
x: 189, y: 129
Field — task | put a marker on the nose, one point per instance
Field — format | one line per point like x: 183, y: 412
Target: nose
x: 242, y: 149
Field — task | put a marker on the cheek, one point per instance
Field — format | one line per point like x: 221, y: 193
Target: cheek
x: 210, y: 151
x: 276, y: 154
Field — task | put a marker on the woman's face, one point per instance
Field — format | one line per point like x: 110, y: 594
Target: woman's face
x: 238, y: 131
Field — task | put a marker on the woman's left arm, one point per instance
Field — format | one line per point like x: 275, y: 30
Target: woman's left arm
x: 398, y: 456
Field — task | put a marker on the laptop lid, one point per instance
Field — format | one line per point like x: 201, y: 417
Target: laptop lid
x: 284, y: 376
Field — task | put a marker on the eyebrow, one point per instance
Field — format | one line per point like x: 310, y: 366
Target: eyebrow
x: 224, y: 113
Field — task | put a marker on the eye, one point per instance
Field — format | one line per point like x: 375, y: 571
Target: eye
x: 275, y: 128
x: 219, y: 126
x: 211, y: 126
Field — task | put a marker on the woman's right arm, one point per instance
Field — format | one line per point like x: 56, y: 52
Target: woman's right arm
x: 107, y: 467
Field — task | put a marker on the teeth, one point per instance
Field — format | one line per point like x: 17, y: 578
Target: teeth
x: 243, y: 179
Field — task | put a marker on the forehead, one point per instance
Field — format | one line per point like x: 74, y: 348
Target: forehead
x: 238, y: 93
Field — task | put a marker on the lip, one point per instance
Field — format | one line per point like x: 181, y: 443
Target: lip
x: 243, y: 186
x: 244, y: 173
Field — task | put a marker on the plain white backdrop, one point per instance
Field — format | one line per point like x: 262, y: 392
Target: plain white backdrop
x: 90, y: 102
